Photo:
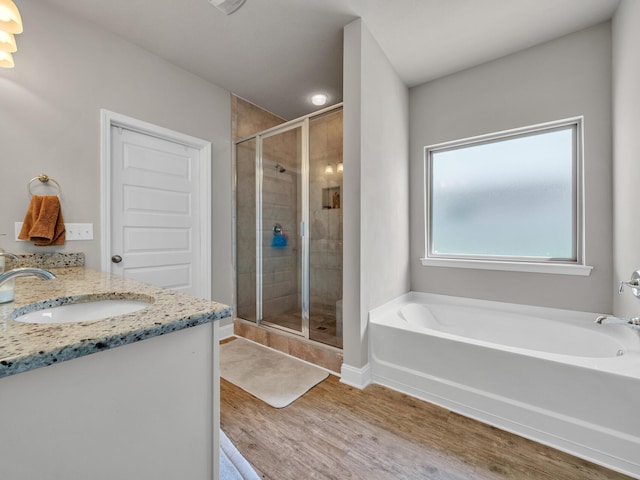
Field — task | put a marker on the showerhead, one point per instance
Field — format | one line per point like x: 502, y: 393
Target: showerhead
x: 280, y: 168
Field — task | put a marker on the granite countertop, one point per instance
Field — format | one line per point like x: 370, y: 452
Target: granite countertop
x: 26, y: 346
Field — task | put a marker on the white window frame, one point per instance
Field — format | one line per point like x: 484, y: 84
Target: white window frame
x: 575, y: 266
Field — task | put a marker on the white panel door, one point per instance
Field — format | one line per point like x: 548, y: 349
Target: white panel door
x: 154, y: 211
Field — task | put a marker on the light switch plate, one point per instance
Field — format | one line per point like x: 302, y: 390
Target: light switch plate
x: 74, y: 231
x: 79, y: 231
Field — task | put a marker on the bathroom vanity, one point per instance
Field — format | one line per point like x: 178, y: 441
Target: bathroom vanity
x: 72, y: 406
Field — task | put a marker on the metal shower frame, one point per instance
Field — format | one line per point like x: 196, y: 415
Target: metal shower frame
x: 303, y: 123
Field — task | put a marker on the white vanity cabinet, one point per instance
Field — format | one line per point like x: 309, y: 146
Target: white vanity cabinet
x: 146, y: 410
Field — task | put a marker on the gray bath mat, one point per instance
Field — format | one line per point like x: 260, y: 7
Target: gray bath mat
x: 271, y: 376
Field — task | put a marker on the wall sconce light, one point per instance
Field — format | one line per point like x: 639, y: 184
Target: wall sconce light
x: 7, y: 42
x: 10, y: 20
x: 329, y: 168
x: 10, y: 24
x: 6, y: 60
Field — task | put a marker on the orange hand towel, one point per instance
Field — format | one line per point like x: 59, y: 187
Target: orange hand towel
x: 43, y: 223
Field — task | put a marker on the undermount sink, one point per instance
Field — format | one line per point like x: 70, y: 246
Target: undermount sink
x: 83, y: 311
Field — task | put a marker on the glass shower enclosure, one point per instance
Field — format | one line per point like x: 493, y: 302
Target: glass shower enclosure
x: 289, y: 227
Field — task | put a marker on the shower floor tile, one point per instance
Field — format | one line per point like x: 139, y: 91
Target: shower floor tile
x: 322, y: 328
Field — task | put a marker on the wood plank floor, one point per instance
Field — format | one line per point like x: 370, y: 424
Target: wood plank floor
x: 338, y: 432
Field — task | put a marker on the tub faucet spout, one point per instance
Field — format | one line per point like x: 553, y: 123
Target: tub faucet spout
x: 611, y: 320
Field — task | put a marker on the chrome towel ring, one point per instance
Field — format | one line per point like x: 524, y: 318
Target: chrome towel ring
x: 44, y: 178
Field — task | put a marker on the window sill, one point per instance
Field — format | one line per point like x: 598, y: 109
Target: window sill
x: 551, y: 268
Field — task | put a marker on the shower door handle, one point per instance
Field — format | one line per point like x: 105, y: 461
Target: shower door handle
x: 302, y: 229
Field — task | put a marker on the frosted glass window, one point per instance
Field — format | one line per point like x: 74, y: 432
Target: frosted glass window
x: 510, y: 197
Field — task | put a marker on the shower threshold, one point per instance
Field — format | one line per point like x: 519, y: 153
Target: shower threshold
x: 291, y: 343
x: 322, y: 327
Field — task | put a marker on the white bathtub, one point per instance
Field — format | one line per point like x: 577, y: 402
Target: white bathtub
x: 550, y: 375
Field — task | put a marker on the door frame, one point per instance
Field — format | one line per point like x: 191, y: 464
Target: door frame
x: 110, y: 119
x: 303, y: 125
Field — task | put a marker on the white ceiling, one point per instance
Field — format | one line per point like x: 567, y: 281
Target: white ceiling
x: 275, y: 53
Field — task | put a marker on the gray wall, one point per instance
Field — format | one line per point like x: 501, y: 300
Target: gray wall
x: 566, y: 77
x: 66, y: 70
x: 626, y: 149
x: 376, y: 201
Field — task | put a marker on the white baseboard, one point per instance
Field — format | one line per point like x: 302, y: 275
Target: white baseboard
x: 356, y: 377
x: 226, y: 331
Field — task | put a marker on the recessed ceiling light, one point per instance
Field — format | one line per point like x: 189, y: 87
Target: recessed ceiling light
x: 319, y: 99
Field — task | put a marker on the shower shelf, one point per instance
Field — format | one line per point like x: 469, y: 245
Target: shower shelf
x: 331, y: 198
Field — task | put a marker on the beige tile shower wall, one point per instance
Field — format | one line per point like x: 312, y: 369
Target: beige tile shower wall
x: 325, y: 147
x: 280, y: 205
x: 248, y: 119
x: 279, y: 280
x: 246, y: 230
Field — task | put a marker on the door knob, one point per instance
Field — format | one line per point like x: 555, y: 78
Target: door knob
x: 116, y: 259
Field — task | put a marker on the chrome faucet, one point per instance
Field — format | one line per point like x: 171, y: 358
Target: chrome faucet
x: 611, y: 320
x: 26, y: 272
x: 633, y: 322
x: 633, y: 284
